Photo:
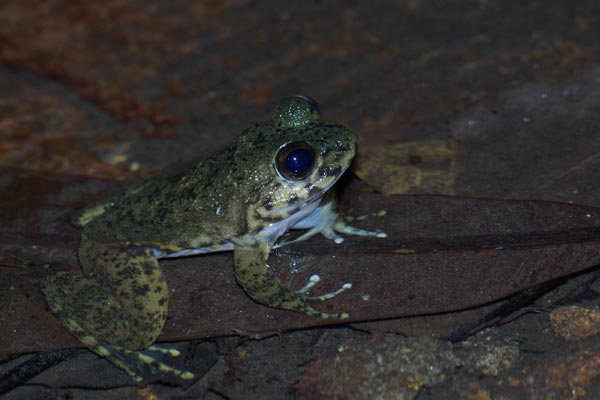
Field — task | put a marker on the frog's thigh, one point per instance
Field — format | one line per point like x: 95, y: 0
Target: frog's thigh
x: 252, y: 274
x: 126, y: 302
x: 84, y: 307
x: 136, y: 281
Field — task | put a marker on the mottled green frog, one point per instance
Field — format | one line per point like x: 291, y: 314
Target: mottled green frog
x: 276, y: 176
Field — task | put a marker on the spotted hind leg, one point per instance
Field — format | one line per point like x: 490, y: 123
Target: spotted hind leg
x: 117, y: 310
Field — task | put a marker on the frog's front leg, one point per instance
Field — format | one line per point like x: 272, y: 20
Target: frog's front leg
x: 252, y: 274
x: 117, y: 309
x: 327, y: 221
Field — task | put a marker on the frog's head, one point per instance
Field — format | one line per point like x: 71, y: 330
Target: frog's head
x: 303, y: 155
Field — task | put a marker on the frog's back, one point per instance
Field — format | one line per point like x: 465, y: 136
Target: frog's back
x: 195, y: 208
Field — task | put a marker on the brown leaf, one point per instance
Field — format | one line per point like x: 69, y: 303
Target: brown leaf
x: 464, y: 252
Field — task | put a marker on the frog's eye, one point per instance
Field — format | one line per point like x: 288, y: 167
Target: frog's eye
x: 311, y: 102
x: 295, y: 161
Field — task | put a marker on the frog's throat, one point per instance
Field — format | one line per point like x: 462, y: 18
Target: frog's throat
x: 273, y: 231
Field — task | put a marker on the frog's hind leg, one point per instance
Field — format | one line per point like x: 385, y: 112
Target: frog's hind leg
x: 117, y: 310
x: 252, y: 274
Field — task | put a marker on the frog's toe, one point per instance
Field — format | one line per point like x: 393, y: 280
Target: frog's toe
x: 308, y: 310
x: 164, y: 350
x: 148, y: 365
x: 332, y: 294
x: 300, y: 302
x: 153, y: 355
x: 342, y: 227
x: 303, y: 293
x: 325, y: 230
x: 313, y: 280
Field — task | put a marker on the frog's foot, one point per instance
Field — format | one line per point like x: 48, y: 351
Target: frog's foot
x: 331, y: 230
x: 147, y: 365
x: 313, y: 280
x: 252, y: 274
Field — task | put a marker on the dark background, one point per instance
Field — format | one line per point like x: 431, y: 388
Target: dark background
x: 496, y: 99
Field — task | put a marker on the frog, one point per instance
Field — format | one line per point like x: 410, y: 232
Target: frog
x: 276, y: 176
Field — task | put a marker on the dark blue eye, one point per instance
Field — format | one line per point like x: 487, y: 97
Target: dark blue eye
x: 299, y: 161
x: 295, y: 161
